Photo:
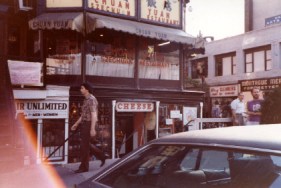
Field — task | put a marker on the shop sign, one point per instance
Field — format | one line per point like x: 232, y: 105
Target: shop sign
x: 134, y: 106
x: 273, y: 20
x: 262, y: 84
x: 119, y: 7
x: 165, y: 12
x: 224, y: 91
x: 25, y: 73
x: 63, y: 3
x: 43, y: 109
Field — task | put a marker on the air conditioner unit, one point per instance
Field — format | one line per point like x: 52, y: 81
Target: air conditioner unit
x: 25, y: 5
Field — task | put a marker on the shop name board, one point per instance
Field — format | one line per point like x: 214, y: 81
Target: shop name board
x: 134, y: 107
x: 224, y: 91
x: 166, y: 12
x: 273, y: 20
x: 120, y: 7
x: 51, y: 24
x: 262, y: 84
x: 43, y: 109
x: 63, y: 3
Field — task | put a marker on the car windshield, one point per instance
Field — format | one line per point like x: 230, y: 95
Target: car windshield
x: 179, y: 166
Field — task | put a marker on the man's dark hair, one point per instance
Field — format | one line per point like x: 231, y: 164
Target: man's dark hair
x: 86, y: 86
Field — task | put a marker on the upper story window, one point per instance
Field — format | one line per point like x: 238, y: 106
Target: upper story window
x: 199, y: 68
x: 111, y: 54
x: 159, y: 60
x: 258, y: 59
x: 63, y: 53
x: 225, y: 64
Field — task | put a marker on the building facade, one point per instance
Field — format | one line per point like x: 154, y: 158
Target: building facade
x: 130, y: 52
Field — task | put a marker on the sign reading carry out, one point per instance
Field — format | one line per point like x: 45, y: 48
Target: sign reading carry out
x: 134, y: 106
x: 43, y: 109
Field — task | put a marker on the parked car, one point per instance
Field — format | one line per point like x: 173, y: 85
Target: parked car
x: 241, y: 156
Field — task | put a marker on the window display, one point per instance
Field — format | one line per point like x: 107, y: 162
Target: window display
x: 64, y: 54
x: 112, y: 54
x: 158, y: 60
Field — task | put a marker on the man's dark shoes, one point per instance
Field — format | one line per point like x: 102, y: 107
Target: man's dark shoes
x: 80, y: 171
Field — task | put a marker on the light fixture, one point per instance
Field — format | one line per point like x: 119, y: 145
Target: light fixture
x: 101, y: 35
x: 164, y: 43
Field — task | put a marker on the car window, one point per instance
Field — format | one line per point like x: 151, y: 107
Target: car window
x: 179, y: 166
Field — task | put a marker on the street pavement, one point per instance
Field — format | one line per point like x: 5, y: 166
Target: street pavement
x: 16, y: 173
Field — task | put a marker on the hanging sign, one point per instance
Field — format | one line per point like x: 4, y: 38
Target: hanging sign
x: 134, y: 106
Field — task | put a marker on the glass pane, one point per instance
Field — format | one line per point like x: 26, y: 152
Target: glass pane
x: 158, y: 60
x: 234, y: 68
x: 259, y: 61
x: 249, y: 58
x: 269, y: 65
x: 188, y: 166
x: 249, y: 67
x: 227, y: 66
x: 112, y: 54
x: 63, y: 54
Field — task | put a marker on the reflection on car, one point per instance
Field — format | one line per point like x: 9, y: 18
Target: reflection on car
x: 244, y: 156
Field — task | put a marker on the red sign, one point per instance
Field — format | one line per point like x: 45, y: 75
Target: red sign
x: 134, y: 106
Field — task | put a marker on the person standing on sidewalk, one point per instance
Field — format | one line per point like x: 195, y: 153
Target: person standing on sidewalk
x: 87, y: 122
x: 254, y: 107
x: 238, y: 110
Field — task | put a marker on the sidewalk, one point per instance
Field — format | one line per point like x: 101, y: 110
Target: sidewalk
x: 48, y: 176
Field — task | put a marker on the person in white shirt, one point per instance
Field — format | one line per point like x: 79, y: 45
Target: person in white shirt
x: 238, y: 110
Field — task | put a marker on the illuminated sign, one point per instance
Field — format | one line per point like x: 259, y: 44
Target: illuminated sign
x: 63, y: 3
x: 134, y: 106
x: 121, y: 7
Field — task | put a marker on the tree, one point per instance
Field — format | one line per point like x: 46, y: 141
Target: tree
x: 271, y: 108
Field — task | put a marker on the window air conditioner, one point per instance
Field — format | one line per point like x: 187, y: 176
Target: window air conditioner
x: 25, y: 5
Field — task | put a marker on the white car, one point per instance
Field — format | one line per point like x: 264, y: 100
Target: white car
x: 238, y: 157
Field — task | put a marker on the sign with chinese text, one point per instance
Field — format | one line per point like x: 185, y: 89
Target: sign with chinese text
x: 63, y: 3
x: 43, y: 109
x: 134, y: 106
x: 119, y: 7
x: 25, y: 73
x: 164, y: 12
x: 224, y: 91
x: 262, y: 84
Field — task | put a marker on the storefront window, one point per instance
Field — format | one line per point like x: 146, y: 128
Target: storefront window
x: 159, y: 60
x: 111, y: 54
x: 63, y: 53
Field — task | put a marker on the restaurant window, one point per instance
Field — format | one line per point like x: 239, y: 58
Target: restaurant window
x: 110, y: 54
x: 258, y: 59
x: 199, y: 68
x: 63, y: 53
x: 225, y: 64
x: 158, y: 60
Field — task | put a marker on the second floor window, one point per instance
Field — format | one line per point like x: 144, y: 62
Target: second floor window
x: 225, y: 64
x: 258, y: 60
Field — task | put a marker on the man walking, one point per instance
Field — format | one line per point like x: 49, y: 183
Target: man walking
x: 238, y: 110
x: 254, y: 108
x: 88, y: 120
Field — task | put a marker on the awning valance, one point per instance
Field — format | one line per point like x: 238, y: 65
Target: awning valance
x: 141, y: 29
x: 73, y: 21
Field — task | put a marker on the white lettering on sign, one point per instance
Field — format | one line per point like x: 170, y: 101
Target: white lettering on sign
x: 224, y: 91
x: 134, y: 107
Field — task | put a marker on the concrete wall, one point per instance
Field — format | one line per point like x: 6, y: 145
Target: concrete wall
x: 266, y: 36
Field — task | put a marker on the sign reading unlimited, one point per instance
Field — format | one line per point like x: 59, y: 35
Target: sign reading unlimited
x: 134, y: 106
x: 224, y: 91
x: 43, y: 109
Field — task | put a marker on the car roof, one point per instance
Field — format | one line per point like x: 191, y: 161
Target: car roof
x: 265, y: 137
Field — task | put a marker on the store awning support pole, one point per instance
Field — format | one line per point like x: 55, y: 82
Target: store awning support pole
x: 113, y: 128
x: 157, y: 119
x: 201, y: 115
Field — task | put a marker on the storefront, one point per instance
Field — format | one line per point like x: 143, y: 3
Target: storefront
x: 129, y: 51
